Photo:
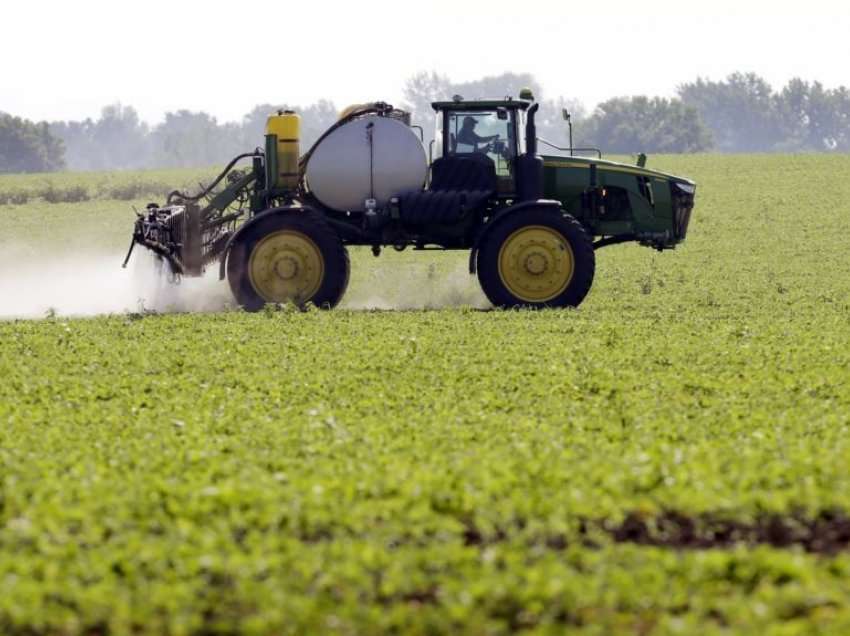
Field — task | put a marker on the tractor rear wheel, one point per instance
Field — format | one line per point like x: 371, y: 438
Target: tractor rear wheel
x: 536, y: 258
x: 288, y: 258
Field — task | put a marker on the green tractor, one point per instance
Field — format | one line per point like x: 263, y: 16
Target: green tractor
x: 279, y: 229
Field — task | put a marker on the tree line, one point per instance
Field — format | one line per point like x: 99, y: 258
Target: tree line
x: 29, y: 147
x: 742, y: 113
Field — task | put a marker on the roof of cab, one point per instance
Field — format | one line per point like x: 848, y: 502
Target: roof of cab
x: 482, y: 104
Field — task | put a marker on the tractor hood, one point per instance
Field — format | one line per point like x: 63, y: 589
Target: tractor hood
x: 560, y: 161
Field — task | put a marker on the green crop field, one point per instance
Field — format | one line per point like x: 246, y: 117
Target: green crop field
x: 672, y: 457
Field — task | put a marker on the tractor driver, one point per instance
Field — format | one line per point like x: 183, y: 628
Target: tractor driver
x: 468, y: 137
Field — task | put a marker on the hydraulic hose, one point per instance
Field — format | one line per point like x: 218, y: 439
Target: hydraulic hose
x: 218, y: 179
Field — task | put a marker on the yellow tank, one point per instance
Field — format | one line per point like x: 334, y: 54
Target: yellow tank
x: 286, y: 127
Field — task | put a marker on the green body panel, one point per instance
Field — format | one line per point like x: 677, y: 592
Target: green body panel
x: 630, y: 200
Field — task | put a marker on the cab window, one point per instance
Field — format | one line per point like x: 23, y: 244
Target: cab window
x: 483, y: 132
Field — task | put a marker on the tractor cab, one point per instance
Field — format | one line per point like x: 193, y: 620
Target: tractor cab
x: 485, y: 133
x: 484, y: 155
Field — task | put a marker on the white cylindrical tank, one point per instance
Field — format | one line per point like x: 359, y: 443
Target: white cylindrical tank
x: 344, y: 171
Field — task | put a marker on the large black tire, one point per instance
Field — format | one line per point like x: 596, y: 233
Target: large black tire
x: 536, y: 258
x: 290, y: 257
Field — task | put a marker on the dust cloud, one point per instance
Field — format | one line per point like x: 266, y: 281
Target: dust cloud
x: 34, y: 285
x: 415, y: 286
x: 37, y: 285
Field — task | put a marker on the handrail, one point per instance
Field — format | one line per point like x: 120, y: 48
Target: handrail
x: 572, y: 151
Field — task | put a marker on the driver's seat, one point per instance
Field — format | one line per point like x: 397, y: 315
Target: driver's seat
x: 460, y: 184
x: 468, y: 171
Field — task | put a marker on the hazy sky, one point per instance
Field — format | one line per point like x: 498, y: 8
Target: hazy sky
x: 64, y: 60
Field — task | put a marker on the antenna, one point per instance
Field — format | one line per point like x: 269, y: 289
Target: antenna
x: 569, y: 119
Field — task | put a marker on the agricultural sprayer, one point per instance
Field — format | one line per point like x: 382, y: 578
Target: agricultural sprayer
x: 278, y: 229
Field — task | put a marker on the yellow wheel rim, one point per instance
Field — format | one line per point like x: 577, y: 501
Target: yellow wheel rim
x: 536, y: 263
x: 286, y: 265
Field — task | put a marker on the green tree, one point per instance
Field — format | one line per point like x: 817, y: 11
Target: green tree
x: 550, y: 120
x: 643, y: 124
x: 813, y: 118
x: 740, y: 112
x: 28, y: 147
x: 187, y: 139
x: 420, y: 90
x: 121, y: 137
x: 118, y: 140
x: 745, y: 114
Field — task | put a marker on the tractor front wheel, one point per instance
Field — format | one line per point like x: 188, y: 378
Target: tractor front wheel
x: 291, y: 257
x: 536, y: 258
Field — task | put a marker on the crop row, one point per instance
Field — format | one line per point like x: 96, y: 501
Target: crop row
x: 671, y: 457
x: 18, y: 190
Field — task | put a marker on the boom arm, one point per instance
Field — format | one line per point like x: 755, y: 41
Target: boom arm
x: 189, y: 235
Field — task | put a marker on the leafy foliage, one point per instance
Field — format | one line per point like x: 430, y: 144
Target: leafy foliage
x: 742, y: 113
x: 450, y: 471
x: 745, y: 114
x: 28, y: 147
x: 640, y: 124
x: 423, y: 88
x: 187, y: 139
x: 107, y: 186
x: 118, y: 140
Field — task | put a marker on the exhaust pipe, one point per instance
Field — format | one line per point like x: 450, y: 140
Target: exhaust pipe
x: 530, y: 166
x: 531, y: 131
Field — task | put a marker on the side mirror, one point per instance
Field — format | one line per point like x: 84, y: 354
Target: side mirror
x: 502, y: 113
